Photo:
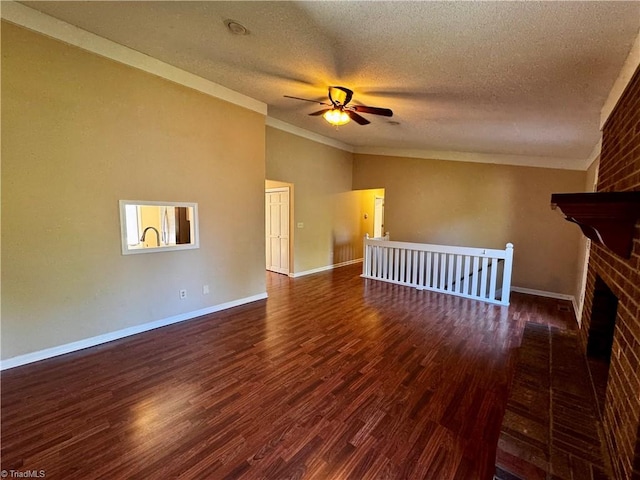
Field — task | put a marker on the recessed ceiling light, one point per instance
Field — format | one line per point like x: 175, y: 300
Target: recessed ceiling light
x: 236, y: 27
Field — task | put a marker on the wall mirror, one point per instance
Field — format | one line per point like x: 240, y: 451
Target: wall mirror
x: 148, y: 227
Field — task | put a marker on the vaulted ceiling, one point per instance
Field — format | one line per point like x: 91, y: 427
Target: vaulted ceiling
x: 514, y: 78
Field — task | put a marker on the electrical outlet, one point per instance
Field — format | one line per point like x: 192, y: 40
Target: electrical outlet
x: 183, y: 294
x: 205, y: 289
x: 300, y: 224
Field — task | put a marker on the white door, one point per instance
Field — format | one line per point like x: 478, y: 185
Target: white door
x: 277, y: 229
x: 378, y: 218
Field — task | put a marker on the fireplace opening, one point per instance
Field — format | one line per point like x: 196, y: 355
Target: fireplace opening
x: 600, y: 340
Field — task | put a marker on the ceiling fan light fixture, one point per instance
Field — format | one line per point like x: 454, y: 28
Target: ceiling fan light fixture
x: 336, y: 117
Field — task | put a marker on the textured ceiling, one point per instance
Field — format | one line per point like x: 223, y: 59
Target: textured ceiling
x: 516, y: 78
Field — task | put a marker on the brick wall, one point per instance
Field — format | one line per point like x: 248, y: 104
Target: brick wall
x: 620, y: 171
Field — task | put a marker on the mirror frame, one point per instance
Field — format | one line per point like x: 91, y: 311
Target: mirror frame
x: 195, y: 243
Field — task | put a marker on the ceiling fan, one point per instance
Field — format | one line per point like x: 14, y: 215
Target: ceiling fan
x: 340, y: 112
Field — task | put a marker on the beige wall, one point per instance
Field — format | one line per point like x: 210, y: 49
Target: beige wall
x: 323, y: 201
x: 80, y: 132
x: 481, y: 205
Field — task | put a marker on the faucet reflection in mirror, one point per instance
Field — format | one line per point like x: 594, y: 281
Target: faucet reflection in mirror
x: 144, y: 234
x: 158, y: 226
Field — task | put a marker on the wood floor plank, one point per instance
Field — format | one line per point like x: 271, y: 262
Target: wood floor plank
x: 332, y: 376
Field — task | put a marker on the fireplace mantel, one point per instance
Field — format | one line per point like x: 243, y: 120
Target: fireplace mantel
x: 607, y: 218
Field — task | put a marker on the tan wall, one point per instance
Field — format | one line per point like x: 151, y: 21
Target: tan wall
x: 481, y: 205
x: 80, y: 132
x: 323, y: 202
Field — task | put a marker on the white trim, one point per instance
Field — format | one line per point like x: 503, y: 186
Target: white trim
x: 500, y: 159
x: 39, y: 22
x: 301, y: 132
x: 324, y: 269
x: 544, y: 293
x: 491, y: 158
x: 628, y: 69
x: 126, y: 332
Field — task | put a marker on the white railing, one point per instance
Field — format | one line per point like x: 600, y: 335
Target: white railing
x: 478, y: 273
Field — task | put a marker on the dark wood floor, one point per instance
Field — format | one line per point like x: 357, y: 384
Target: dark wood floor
x: 332, y: 377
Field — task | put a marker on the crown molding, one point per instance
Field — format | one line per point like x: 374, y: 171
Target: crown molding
x: 301, y: 132
x: 498, y: 159
x: 491, y: 158
x: 629, y: 67
x: 44, y: 24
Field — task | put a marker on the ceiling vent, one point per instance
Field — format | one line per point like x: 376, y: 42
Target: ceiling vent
x: 236, y: 27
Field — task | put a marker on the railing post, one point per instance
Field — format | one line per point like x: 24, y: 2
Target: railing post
x: 506, y: 274
x: 365, y: 250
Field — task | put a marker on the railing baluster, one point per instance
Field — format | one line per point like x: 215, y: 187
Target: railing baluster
x: 415, y: 272
x: 474, y: 278
x: 450, y: 278
x: 494, y: 276
x: 372, y: 266
x: 467, y: 267
x: 421, y: 268
x: 443, y: 270
x: 385, y: 263
x: 427, y: 271
x: 483, y: 277
x: 458, y: 278
x: 414, y: 268
x: 396, y: 264
x: 434, y: 280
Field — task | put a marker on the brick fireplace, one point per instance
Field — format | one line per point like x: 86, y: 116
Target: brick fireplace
x: 620, y: 171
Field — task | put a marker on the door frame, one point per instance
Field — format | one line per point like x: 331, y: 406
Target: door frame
x: 289, y: 190
x: 375, y: 216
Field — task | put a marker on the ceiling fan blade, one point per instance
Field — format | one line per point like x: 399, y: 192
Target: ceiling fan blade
x: 385, y: 112
x: 360, y: 120
x: 306, y: 100
x: 320, y: 112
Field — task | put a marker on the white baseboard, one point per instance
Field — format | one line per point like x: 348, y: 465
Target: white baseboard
x: 324, y: 269
x: 544, y: 293
x: 126, y: 332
